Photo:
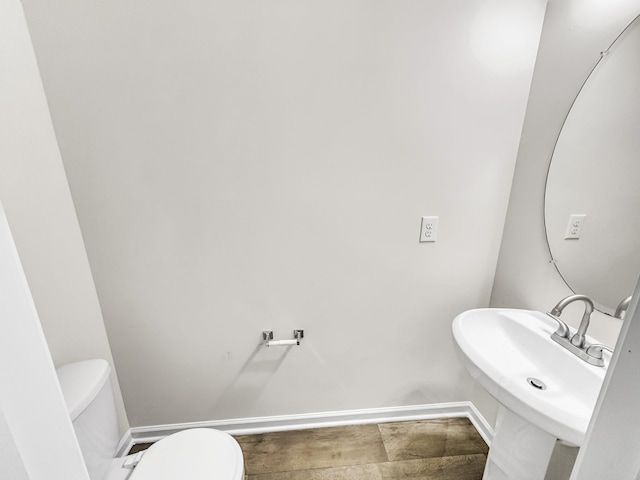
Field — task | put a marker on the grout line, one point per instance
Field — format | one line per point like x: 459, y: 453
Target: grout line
x: 384, y: 444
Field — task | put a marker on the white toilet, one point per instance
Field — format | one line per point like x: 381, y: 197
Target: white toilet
x: 195, y: 454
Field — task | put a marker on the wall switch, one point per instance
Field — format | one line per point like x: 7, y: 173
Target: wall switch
x: 429, y: 229
x: 574, y: 229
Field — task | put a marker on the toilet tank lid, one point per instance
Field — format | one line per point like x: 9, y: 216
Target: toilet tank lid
x: 81, y: 382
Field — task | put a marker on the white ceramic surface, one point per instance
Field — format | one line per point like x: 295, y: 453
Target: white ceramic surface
x: 87, y: 392
x: 502, y: 348
x: 195, y: 454
x: 81, y: 382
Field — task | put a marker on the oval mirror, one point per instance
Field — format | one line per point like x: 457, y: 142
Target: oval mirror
x: 592, y: 197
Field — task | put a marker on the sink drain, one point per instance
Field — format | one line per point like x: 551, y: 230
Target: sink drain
x: 536, y: 383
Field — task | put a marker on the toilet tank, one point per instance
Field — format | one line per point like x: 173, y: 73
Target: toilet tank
x: 87, y: 392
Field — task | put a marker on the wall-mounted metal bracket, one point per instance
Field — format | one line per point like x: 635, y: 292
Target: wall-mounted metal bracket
x: 268, y: 341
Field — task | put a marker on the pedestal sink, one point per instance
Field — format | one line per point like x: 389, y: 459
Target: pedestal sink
x: 545, y: 392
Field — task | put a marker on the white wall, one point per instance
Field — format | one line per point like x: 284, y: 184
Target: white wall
x: 574, y: 34
x: 10, y: 461
x: 241, y: 166
x: 38, y: 205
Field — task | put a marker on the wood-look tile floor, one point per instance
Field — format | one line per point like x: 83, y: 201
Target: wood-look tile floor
x: 442, y: 449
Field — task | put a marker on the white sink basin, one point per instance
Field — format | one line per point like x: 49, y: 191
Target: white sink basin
x: 503, y: 348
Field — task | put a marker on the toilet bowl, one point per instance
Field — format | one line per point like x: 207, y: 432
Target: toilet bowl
x: 194, y: 454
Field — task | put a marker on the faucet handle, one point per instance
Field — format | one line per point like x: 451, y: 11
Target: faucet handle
x: 622, y: 307
x: 563, y: 328
x: 596, y: 349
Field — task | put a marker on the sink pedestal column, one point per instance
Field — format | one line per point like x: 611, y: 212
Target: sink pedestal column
x: 519, y: 450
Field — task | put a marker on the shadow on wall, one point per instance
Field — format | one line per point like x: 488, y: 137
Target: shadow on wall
x: 252, y: 378
x: 258, y: 372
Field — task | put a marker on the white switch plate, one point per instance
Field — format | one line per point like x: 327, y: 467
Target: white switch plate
x: 574, y: 228
x: 429, y: 229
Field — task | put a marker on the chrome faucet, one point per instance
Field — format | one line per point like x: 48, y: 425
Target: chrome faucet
x: 577, y: 339
x: 622, y: 307
x: 576, y: 344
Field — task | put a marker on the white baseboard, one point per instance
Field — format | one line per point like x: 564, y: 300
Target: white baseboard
x: 245, y: 426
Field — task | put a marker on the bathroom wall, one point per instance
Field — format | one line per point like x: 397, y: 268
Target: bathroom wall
x: 38, y: 205
x: 10, y: 462
x: 37, y: 440
x: 242, y: 166
x: 574, y: 34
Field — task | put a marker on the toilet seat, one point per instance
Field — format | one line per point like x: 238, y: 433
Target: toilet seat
x: 195, y: 454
